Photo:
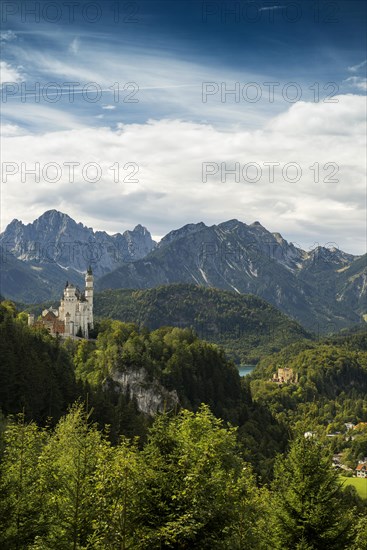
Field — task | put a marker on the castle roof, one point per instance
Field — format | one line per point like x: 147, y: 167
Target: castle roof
x: 49, y: 316
x: 69, y: 285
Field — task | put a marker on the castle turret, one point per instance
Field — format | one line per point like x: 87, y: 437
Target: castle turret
x: 89, y: 295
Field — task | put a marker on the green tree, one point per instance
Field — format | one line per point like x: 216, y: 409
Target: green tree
x: 195, y: 489
x: 307, y: 507
x: 360, y: 542
x: 68, y: 465
x: 21, y: 498
x: 117, y: 478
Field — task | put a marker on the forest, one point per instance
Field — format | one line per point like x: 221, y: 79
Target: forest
x: 89, y: 461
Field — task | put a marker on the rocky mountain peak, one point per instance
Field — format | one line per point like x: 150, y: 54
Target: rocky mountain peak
x: 181, y: 233
x: 230, y: 224
x: 55, y: 238
x: 140, y: 229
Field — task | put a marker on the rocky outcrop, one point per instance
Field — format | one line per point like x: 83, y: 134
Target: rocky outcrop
x: 150, y: 396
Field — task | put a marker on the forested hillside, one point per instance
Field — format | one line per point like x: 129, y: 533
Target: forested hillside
x: 150, y: 440
x: 127, y: 375
x: 331, y: 385
x: 246, y: 326
x: 36, y: 373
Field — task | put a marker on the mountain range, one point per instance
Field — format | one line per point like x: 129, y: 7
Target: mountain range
x: 324, y: 289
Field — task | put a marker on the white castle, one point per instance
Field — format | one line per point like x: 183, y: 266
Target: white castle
x: 74, y: 317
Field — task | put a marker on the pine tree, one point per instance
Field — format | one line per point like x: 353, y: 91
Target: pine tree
x: 307, y: 506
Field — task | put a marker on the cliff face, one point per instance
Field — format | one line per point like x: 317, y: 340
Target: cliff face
x: 150, y: 397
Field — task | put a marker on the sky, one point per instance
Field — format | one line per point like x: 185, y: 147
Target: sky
x: 168, y: 113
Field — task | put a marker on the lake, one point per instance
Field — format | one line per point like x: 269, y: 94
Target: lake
x: 244, y: 370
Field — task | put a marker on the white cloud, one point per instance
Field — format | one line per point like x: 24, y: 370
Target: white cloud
x: 267, y: 8
x: 356, y: 68
x: 358, y: 82
x: 109, y: 107
x: 341, y: 117
x: 38, y: 116
x: 9, y: 73
x: 170, y: 191
x: 164, y: 83
x: 11, y: 130
x: 74, y: 46
x: 7, y: 36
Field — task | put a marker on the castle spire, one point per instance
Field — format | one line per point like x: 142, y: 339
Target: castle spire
x: 89, y: 295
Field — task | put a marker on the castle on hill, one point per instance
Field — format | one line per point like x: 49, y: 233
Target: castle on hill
x: 285, y: 376
x: 74, y: 317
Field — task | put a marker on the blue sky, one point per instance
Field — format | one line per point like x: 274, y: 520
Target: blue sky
x: 165, y: 54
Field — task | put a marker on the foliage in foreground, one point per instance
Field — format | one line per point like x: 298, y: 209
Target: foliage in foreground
x: 188, y: 488
x: 70, y: 488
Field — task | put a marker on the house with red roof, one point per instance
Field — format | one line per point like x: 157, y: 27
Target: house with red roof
x: 361, y: 470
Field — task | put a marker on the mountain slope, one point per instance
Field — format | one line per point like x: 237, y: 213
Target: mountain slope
x: 351, y: 286
x: 31, y: 282
x: 246, y: 326
x: 247, y: 259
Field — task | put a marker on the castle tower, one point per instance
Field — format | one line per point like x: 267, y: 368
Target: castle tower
x: 89, y: 295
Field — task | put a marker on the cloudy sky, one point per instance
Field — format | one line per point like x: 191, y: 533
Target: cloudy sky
x: 167, y: 113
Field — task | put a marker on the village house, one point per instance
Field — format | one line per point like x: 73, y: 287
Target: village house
x: 361, y: 470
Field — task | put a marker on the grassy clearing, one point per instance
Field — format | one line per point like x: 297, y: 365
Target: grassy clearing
x: 359, y: 483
